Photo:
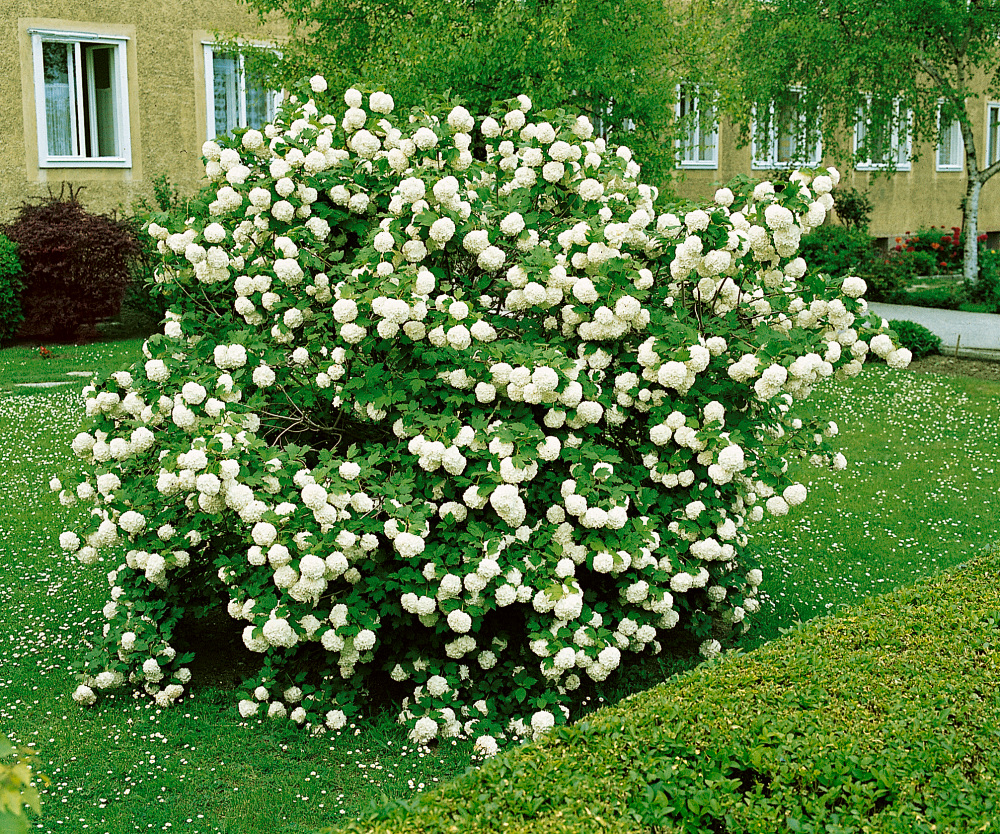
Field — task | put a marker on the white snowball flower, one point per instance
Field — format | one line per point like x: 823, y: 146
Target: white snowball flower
x: 459, y: 621
x: 84, y: 695
x: 854, y: 287
x: 899, y: 358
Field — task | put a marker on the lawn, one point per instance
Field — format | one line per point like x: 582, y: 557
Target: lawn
x: 918, y: 496
x: 67, y: 364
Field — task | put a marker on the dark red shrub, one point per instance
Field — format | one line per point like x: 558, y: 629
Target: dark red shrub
x: 76, y: 265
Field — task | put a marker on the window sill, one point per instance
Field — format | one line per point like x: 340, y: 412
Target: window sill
x: 109, y: 162
x: 869, y: 167
x: 765, y: 165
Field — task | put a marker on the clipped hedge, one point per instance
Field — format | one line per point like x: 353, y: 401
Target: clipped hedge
x: 885, y: 718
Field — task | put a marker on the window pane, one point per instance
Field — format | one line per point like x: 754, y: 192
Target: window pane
x: 881, y: 132
x: 707, y: 133
x: 787, y: 128
x: 764, y: 136
x: 944, y: 148
x: 101, y: 110
x: 57, y: 64
x: 902, y: 137
x: 226, y: 93
x: 259, y: 103
x: 689, y: 126
x: 994, y: 134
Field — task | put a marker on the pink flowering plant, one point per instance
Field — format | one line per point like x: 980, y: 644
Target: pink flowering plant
x: 454, y: 407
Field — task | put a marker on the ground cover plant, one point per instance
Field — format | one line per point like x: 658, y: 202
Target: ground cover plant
x: 502, y: 408
x: 882, y: 719
x: 867, y: 529
x: 916, y: 338
x: 911, y: 502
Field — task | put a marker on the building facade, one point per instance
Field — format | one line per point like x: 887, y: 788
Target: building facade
x: 109, y: 95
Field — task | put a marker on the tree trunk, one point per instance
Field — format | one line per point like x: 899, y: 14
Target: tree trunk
x: 970, y: 228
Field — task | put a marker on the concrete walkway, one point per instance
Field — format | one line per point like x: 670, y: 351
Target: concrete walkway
x: 967, y: 335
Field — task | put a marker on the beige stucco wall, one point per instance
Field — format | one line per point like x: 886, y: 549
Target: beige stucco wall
x: 166, y: 92
x: 903, y: 202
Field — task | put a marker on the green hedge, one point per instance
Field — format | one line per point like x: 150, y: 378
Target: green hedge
x: 884, y: 718
x: 916, y: 338
x: 11, y: 286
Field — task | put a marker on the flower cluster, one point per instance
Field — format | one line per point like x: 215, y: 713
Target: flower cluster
x: 488, y: 423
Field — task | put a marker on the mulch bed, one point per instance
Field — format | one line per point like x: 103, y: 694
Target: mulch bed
x: 951, y: 366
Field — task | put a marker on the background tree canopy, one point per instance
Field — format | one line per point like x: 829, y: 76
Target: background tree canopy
x: 617, y: 60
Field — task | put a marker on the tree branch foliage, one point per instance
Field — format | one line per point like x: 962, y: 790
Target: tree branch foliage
x: 616, y: 60
x: 927, y: 53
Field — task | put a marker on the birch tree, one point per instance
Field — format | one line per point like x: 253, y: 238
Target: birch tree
x: 857, y: 58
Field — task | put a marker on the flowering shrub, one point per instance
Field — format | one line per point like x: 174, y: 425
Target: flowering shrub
x: 934, y: 250
x: 986, y: 289
x: 485, y: 425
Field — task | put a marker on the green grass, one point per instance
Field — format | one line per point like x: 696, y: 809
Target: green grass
x: 918, y: 496
x: 26, y: 363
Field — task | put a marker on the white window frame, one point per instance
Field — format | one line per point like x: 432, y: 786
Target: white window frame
x: 698, y: 136
x: 209, y: 50
x: 766, y: 153
x: 80, y: 121
x: 901, y: 146
x: 957, y: 160
x: 992, y: 132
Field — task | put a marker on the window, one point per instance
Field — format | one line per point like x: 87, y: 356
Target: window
x: 606, y: 123
x: 235, y: 98
x: 950, y: 146
x: 81, y: 100
x: 993, y: 134
x: 784, y: 135
x: 698, y: 145
x: 882, y: 136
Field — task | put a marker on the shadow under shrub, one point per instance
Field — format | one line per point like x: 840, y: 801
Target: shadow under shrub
x: 860, y: 721
x: 76, y: 264
x: 143, y: 307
